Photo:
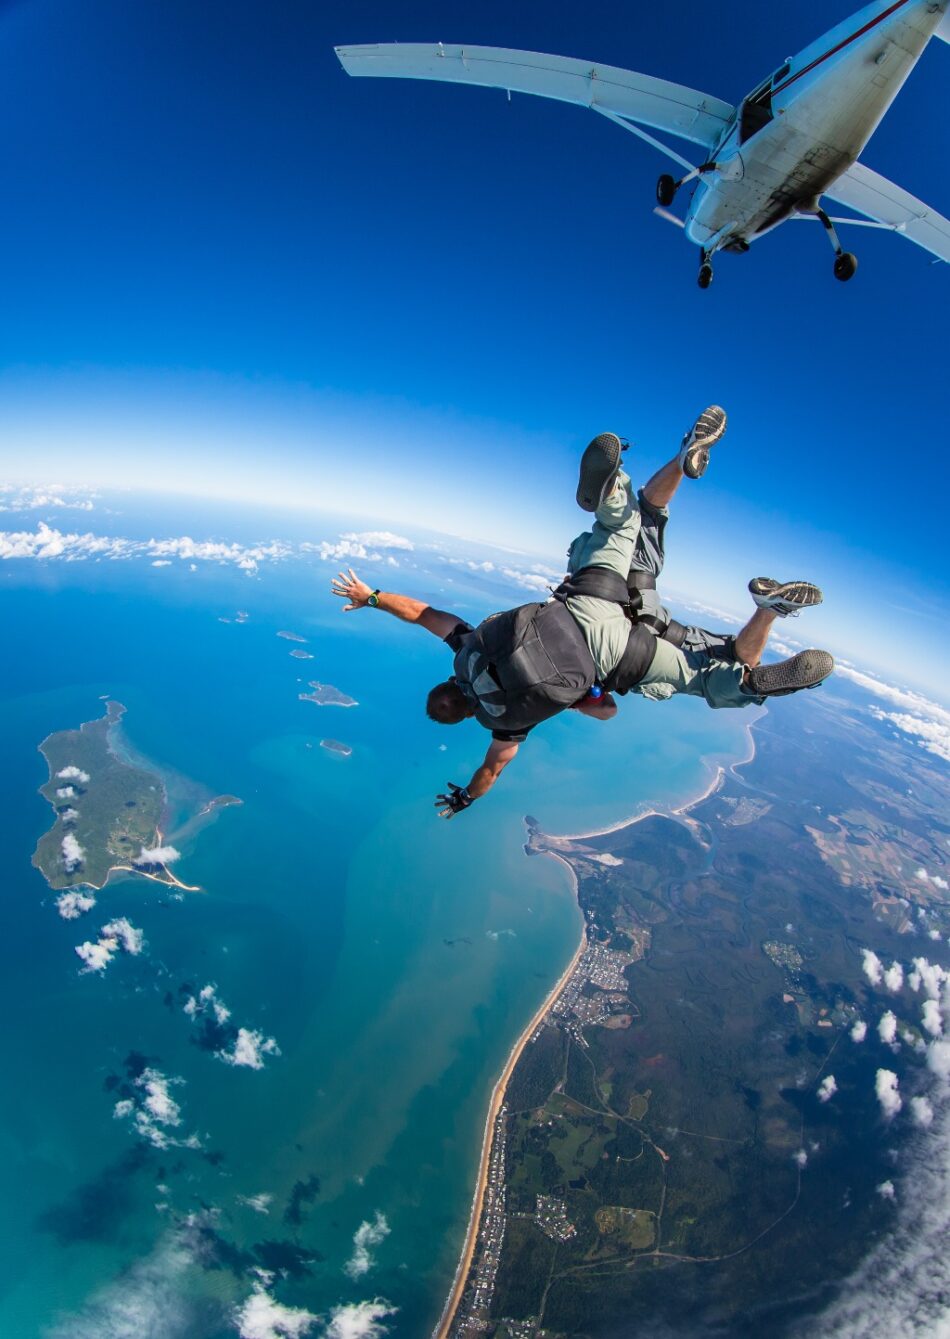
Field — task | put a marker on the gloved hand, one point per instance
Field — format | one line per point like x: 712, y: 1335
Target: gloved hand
x: 454, y: 802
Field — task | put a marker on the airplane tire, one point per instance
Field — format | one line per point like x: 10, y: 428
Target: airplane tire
x: 845, y: 266
x: 705, y: 276
x: 665, y: 190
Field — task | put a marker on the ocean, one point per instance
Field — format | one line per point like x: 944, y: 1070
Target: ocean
x: 394, y: 958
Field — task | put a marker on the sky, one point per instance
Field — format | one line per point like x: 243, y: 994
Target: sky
x: 232, y: 271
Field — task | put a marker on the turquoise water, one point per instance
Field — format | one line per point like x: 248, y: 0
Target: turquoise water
x: 328, y: 899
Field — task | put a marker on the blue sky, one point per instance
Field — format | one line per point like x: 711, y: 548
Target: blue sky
x: 231, y: 270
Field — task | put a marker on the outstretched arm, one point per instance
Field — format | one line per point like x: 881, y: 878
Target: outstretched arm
x: 499, y: 755
x: 349, y: 587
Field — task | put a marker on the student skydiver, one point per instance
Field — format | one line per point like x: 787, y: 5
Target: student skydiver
x: 520, y: 667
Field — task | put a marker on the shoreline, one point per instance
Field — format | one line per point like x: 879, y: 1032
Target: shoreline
x: 498, y: 1093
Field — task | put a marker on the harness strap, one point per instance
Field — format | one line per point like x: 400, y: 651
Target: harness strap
x: 641, y: 581
x: 599, y: 582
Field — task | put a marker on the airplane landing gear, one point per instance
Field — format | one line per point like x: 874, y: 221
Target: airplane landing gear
x: 705, y: 272
x: 846, y: 264
x: 665, y: 190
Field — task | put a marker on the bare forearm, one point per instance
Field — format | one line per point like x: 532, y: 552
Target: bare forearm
x: 402, y: 606
x: 483, y: 780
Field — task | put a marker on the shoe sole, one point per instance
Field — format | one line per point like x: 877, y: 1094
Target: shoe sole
x: 806, y: 670
x: 801, y: 594
x: 600, y: 464
x: 708, y: 429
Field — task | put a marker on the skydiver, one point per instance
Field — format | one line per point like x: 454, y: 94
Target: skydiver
x: 520, y: 667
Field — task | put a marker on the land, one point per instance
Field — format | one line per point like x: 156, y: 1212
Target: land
x: 106, y: 809
x: 325, y: 695
x: 334, y: 746
x: 301, y: 655
x: 643, y: 1160
x: 291, y: 636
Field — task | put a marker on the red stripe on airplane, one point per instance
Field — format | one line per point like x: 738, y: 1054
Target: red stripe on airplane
x: 841, y: 45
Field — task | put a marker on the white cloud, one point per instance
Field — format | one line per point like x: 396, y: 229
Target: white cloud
x: 827, y: 1088
x: 887, y: 1027
x: 47, y: 543
x: 259, y: 1203
x: 72, y: 904
x: 380, y: 539
x: 154, y: 1111
x: 885, y: 1086
x: 207, y: 998
x: 249, y: 1049
x: 367, y: 1235
x: 73, y: 774
x: 931, y: 1019
x: 894, y: 977
x: 69, y: 815
x: 919, y: 717
x: 922, y: 1111
x: 938, y: 1059
x: 886, y: 1190
x: 73, y: 853
x: 873, y: 968
x: 800, y: 1158
x: 261, y: 1317
x: 935, y: 879
x: 118, y: 934
x: 929, y: 975
x: 66, y: 793
x: 360, y: 1320
x: 156, y: 855
x: 859, y: 1030
x: 162, y: 562
x: 33, y: 498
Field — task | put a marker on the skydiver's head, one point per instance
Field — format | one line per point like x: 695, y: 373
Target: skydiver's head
x: 447, y: 704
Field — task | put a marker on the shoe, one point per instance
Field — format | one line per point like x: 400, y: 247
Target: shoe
x: 785, y: 598
x: 600, y: 465
x: 705, y: 432
x: 806, y: 670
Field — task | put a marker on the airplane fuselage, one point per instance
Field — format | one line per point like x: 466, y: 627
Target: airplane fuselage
x: 805, y: 126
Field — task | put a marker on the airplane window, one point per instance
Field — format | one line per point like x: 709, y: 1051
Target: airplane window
x: 779, y: 75
x: 756, y: 112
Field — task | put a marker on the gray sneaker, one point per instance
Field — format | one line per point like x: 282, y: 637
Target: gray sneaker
x: 705, y: 432
x: 806, y: 670
x: 600, y: 465
x: 785, y: 598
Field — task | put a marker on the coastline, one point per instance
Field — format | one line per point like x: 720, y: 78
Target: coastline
x: 497, y: 1098
x: 719, y: 772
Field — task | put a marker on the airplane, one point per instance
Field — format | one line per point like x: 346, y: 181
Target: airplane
x: 794, y: 139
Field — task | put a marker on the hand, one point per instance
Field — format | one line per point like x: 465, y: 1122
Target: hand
x: 454, y: 802
x: 349, y: 587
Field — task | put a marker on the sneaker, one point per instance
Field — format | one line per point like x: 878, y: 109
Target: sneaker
x: 806, y: 670
x: 785, y: 598
x: 600, y: 465
x: 705, y: 432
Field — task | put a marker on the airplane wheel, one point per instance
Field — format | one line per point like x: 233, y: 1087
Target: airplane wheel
x: 665, y: 190
x: 705, y: 276
x: 845, y: 266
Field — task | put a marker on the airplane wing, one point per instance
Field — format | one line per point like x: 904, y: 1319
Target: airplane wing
x: 636, y: 97
x: 879, y: 199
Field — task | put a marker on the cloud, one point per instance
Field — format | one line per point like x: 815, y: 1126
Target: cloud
x: 935, y: 879
x: 931, y: 976
x: 162, y: 562
x: 859, y: 1030
x: 380, y: 539
x: 156, y: 855
x: 154, y: 1111
x: 66, y: 793
x: 207, y: 998
x: 827, y: 1088
x: 938, y: 1059
x: 249, y: 1049
x: 73, y: 853
x: 260, y: 1317
x: 72, y: 904
x: 73, y: 774
x: 118, y: 934
x: 359, y: 1320
x: 885, y: 1086
x: 540, y: 581
x: 69, y: 815
x: 346, y: 548
x: 894, y: 977
x: 928, y: 722
x: 32, y: 498
x: 931, y: 1019
x: 47, y: 543
x: 800, y: 1158
x: 886, y: 1190
x: 922, y: 1111
x: 367, y: 1235
x: 259, y: 1203
x: 887, y: 1027
x: 873, y: 967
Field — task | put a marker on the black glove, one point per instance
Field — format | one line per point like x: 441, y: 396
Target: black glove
x: 454, y: 802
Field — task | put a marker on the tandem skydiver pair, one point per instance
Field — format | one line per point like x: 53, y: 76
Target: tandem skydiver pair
x: 603, y: 632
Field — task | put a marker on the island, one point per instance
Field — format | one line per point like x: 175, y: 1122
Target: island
x: 291, y: 636
x: 334, y: 746
x: 325, y: 695
x: 109, y: 812
x: 694, y: 1106
x: 301, y: 655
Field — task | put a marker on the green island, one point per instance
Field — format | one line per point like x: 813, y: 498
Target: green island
x: 659, y: 1154
x: 325, y: 695
x: 108, y: 811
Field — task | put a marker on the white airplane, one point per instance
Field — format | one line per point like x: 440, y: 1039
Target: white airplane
x: 794, y: 139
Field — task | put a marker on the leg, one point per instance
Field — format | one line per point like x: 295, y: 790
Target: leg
x: 677, y: 671
x: 612, y: 540
x: 750, y: 642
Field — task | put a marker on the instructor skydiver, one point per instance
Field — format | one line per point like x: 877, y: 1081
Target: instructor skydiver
x: 520, y: 667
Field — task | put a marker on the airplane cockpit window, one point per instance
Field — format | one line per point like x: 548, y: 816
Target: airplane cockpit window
x: 756, y: 112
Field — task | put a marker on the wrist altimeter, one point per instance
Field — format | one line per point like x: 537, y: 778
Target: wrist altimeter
x: 373, y: 599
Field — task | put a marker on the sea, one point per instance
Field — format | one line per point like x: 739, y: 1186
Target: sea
x: 393, y: 958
